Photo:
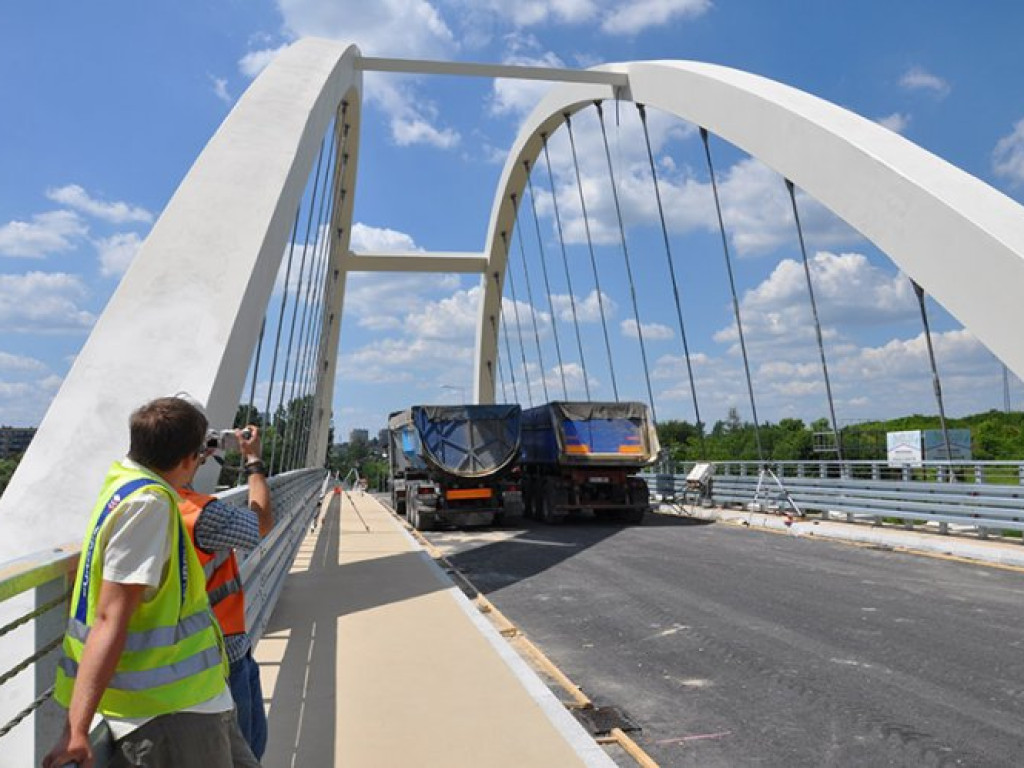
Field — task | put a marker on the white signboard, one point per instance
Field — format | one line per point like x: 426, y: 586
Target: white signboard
x: 904, y: 448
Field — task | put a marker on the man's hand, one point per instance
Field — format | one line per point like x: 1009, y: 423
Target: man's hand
x: 250, y: 448
x: 70, y: 750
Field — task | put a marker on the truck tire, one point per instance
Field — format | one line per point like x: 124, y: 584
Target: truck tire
x: 638, y: 497
x: 412, y: 513
x: 553, y: 495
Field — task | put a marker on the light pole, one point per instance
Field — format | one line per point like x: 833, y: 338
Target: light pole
x: 456, y: 388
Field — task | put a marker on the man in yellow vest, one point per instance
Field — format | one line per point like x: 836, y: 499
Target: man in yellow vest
x: 216, y: 530
x: 142, y: 647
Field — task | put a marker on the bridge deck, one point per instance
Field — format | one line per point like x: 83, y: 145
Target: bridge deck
x: 373, y: 658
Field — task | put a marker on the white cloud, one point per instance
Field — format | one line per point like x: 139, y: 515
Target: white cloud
x: 220, y: 89
x: 407, y: 131
x: 452, y: 318
x: 117, y: 252
x: 52, y: 232
x: 652, y: 331
x: 254, y: 62
x: 76, y: 197
x: 613, y: 17
x: 1008, y: 156
x: 633, y: 17
x: 20, y: 363
x: 23, y: 403
x: 588, y: 310
x: 896, y: 122
x: 43, y: 302
x: 919, y: 79
x: 406, y: 28
x: 367, y: 238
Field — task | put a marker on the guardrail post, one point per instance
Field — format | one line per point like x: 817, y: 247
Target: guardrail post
x: 49, y: 719
x: 876, y: 471
x: 822, y: 470
x: 905, y: 473
x: 800, y: 470
x: 979, y: 473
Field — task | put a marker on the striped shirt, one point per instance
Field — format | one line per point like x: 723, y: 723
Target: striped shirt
x: 224, y: 526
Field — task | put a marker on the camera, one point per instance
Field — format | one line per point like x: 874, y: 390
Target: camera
x: 225, y: 440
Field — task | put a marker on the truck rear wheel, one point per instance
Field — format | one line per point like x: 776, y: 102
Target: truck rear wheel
x: 552, y: 496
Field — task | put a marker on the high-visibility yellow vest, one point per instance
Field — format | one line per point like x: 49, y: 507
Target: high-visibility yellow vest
x: 173, y: 656
x: 223, y: 578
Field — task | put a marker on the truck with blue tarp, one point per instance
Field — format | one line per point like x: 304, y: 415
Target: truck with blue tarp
x: 581, y: 457
x: 455, y: 464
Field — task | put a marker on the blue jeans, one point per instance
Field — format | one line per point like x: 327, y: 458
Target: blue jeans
x: 244, y: 682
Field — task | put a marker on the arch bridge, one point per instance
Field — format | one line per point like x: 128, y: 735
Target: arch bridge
x: 273, y: 193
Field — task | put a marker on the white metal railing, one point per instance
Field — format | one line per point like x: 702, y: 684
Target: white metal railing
x: 34, y: 592
x: 983, y: 497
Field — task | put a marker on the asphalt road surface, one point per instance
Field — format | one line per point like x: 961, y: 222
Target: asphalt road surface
x: 735, y: 647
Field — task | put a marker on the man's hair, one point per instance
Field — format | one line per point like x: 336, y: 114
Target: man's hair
x: 165, y: 431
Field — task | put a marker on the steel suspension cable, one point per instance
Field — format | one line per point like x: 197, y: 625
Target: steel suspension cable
x: 497, y: 360
x: 732, y: 288
x: 625, y: 256
x: 547, y: 283
x: 593, y: 259
x: 311, y: 384
x: 936, y: 384
x: 280, y: 322
x: 529, y: 296
x: 296, y: 405
x: 565, y: 263
x: 817, y: 322
x: 515, y: 310
x: 319, y: 369
x: 295, y: 408
x: 295, y: 309
x: 508, y: 346
x: 250, y: 416
x: 675, y: 283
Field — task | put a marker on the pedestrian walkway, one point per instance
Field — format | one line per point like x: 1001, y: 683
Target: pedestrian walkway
x: 373, y: 659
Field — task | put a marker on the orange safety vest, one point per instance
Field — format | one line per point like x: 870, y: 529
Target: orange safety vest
x: 223, y: 579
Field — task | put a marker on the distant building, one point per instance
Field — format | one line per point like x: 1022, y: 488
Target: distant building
x: 382, y: 438
x: 359, y: 436
x: 15, y: 440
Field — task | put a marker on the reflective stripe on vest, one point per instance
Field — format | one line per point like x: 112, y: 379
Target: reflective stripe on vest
x: 144, y: 679
x: 148, y: 639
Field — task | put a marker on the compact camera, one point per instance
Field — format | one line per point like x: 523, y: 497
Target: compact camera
x: 225, y: 440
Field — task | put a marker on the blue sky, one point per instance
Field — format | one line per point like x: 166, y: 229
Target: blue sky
x: 107, y: 105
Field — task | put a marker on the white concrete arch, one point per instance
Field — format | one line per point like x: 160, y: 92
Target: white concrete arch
x: 186, y: 315
x: 959, y: 238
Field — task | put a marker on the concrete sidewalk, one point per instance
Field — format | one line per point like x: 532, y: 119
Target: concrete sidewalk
x: 374, y: 659
x: 1007, y: 553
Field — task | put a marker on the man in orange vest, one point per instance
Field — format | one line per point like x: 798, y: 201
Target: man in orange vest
x: 217, y: 529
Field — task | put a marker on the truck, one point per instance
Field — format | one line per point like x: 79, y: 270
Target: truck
x: 455, y: 464
x: 585, y: 456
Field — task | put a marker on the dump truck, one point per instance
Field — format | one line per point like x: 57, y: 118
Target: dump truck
x: 582, y: 457
x: 455, y: 464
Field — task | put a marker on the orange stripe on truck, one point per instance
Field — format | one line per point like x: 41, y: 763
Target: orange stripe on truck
x: 469, y: 493
x: 631, y: 449
x: 577, y: 449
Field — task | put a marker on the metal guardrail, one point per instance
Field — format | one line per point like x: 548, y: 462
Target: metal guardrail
x: 967, y: 496
x: 34, y: 593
